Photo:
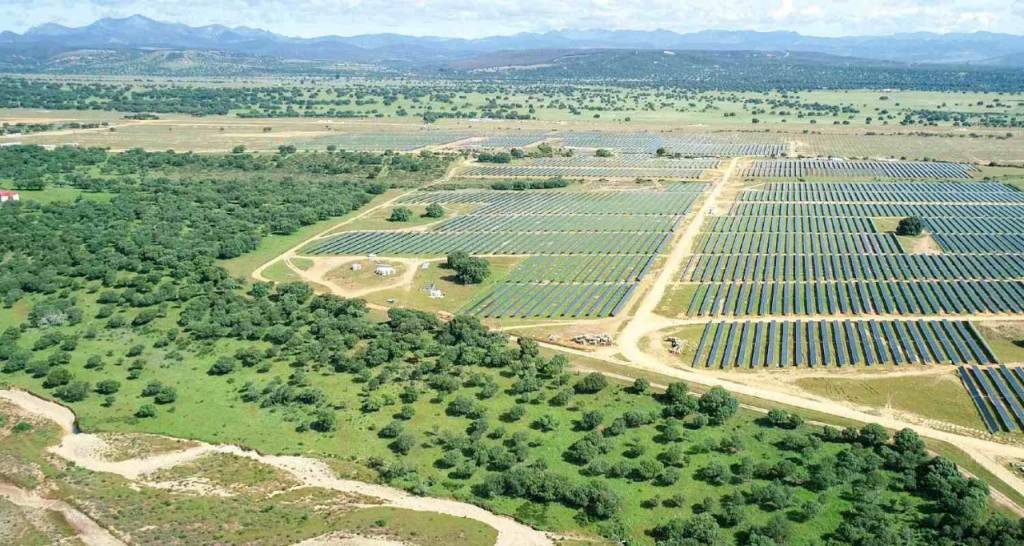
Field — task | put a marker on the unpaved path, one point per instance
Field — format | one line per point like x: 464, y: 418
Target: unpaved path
x: 86, y: 450
x: 87, y: 530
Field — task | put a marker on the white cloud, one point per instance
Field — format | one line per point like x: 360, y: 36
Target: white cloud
x: 462, y: 18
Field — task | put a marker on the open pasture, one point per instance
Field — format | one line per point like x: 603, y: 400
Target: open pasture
x: 799, y: 168
x: 967, y: 145
x: 812, y: 344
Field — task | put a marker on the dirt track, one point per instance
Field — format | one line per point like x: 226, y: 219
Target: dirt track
x: 86, y: 450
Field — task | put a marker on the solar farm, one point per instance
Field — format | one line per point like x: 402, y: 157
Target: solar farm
x: 589, y: 166
x: 794, y: 264
x: 584, y: 251
x: 799, y: 168
x: 789, y: 273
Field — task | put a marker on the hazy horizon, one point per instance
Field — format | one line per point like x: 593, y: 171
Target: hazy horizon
x: 310, y: 18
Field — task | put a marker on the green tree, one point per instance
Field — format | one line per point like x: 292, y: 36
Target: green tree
x: 911, y: 226
x: 400, y: 214
x: 434, y: 210
x: 718, y: 405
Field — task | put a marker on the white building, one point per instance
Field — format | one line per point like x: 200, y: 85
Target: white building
x: 356, y: 266
x: 434, y: 292
x: 385, y: 270
x: 6, y: 196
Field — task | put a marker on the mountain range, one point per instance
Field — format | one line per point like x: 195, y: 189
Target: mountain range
x: 139, y: 32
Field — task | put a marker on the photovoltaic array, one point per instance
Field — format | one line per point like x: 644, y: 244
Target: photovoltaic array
x: 788, y: 250
x: 585, y: 251
x: 998, y: 393
x: 826, y: 167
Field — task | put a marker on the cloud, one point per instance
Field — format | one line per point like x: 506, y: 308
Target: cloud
x: 461, y: 18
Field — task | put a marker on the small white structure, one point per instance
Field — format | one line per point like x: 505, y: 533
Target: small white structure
x: 434, y: 292
x: 6, y: 196
x: 385, y: 270
x: 356, y: 266
x: 425, y: 265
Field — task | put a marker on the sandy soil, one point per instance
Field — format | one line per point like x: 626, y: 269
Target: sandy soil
x: 87, y: 530
x: 87, y: 451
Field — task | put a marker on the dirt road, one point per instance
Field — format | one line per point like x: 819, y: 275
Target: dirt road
x: 87, y: 451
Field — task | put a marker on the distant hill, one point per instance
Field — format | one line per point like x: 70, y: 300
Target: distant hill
x: 735, y: 70
x: 141, y: 32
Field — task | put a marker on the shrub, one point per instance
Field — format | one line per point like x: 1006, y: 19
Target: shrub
x: 400, y: 214
x: 146, y: 411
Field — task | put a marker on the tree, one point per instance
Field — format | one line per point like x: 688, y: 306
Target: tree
x: 57, y: 377
x: 468, y: 269
x: 145, y: 411
x: 223, y: 366
x: 107, y: 386
x: 76, y: 391
x: 718, y: 405
x: 591, y: 383
x: 911, y: 226
x: 324, y: 420
x: 434, y: 210
x: 400, y: 214
x: 602, y: 152
x: 238, y: 149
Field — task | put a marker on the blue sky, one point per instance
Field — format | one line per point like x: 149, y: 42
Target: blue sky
x: 489, y: 17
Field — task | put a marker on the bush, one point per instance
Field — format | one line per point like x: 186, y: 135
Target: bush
x: 223, y: 366
x: 400, y: 214
x: 76, y: 391
x: 434, y: 211
x: 591, y: 383
x: 107, y: 386
x: 912, y: 226
x: 146, y: 411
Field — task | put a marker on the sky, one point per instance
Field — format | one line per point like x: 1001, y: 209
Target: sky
x: 467, y: 19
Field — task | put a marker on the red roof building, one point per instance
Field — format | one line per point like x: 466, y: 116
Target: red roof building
x: 6, y: 196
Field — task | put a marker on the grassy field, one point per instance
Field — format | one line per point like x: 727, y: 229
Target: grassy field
x: 456, y: 296
x: 941, y: 397
x: 677, y: 300
x: 273, y: 246
x: 1006, y: 338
